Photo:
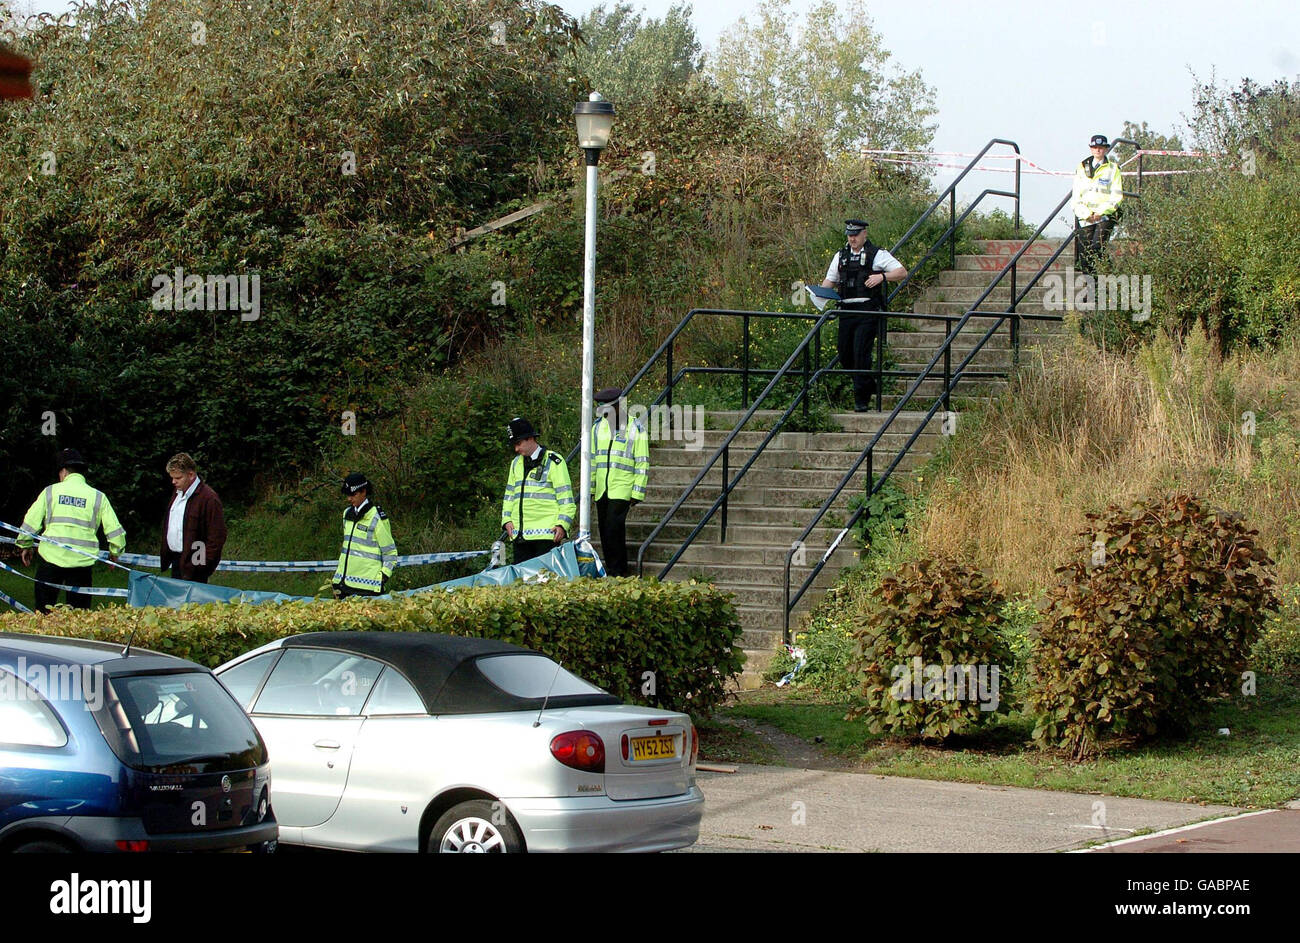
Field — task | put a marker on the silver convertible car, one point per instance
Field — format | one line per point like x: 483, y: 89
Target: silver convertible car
x: 411, y: 741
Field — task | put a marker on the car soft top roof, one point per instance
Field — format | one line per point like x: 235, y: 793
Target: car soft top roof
x: 442, y: 669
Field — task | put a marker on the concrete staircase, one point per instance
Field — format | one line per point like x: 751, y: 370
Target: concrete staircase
x: 780, y: 494
x: 913, y: 341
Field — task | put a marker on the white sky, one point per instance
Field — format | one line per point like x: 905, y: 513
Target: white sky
x: 1045, y: 73
x: 1050, y: 74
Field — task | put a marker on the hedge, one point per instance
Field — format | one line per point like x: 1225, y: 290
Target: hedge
x: 668, y: 645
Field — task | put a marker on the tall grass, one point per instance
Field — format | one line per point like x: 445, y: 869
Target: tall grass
x: 1083, y: 429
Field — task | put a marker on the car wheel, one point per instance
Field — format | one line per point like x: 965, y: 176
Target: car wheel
x: 475, y: 827
x: 42, y: 846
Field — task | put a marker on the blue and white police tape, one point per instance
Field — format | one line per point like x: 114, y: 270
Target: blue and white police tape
x: 305, y: 566
x: 9, y: 600
x: 101, y: 556
x: 88, y: 590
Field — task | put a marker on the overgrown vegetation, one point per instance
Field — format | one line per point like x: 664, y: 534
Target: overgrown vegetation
x: 1156, y: 614
x: 929, y: 652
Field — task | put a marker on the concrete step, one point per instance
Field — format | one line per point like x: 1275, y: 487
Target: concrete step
x: 979, y: 279
x: 907, y: 421
x: 743, y: 577
x: 702, y: 557
x: 737, y: 513
x: 932, y: 335
x: 1027, y: 266
x: 677, y: 530
x: 998, y: 358
x: 1000, y: 293
x: 889, y: 443
x: 977, y: 325
x: 783, y: 478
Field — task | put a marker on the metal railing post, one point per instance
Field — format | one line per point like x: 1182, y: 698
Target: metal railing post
x: 806, y: 365
x: 952, y: 221
x: 668, y: 383
x: 744, y: 366
x: 947, y: 370
x: 726, y: 492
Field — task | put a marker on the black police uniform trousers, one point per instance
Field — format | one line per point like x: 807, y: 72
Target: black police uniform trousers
x: 856, y: 342
x: 47, y: 596
x: 611, y: 515
x: 527, y: 549
x: 1090, y: 243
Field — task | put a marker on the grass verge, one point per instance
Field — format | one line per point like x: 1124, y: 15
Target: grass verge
x: 1253, y: 767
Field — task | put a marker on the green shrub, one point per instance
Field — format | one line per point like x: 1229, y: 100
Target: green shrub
x: 1277, y: 651
x: 612, y: 632
x: 1157, y: 612
x: 827, y: 644
x: 930, y: 656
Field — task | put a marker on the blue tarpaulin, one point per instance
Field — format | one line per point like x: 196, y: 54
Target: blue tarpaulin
x: 145, y: 589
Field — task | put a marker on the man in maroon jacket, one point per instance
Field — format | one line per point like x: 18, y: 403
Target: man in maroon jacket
x: 193, y: 526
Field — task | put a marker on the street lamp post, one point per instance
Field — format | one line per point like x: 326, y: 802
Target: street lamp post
x: 594, y: 119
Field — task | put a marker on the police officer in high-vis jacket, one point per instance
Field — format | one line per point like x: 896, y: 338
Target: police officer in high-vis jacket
x: 859, y: 272
x: 69, y: 513
x: 620, y: 465
x: 1098, y: 193
x: 538, y: 507
x: 369, y: 556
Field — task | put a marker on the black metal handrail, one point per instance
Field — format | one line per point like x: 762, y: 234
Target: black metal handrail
x: 723, y: 451
x: 944, y: 353
x: 730, y: 484
x: 667, y: 347
x: 950, y: 381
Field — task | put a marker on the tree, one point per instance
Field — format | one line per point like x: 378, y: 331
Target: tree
x: 629, y: 59
x: 832, y: 78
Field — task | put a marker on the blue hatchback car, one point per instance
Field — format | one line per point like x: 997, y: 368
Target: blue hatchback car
x: 106, y: 751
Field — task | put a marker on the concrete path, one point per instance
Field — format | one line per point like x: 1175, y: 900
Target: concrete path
x: 769, y: 808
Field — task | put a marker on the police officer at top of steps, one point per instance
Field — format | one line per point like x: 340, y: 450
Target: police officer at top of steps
x: 1096, y: 201
x: 859, y: 272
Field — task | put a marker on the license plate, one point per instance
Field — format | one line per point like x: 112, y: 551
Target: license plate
x: 653, y: 748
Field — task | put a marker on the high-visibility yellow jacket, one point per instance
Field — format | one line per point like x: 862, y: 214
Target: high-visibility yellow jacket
x: 620, y: 461
x: 71, y: 512
x: 537, y: 502
x: 369, y: 554
x: 1098, y: 192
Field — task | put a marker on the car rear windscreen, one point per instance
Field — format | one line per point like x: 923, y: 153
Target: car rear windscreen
x: 177, y: 723
x: 533, y: 676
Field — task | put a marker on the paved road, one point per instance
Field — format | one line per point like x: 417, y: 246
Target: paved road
x: 1272, y: 830
x: 767, y: 808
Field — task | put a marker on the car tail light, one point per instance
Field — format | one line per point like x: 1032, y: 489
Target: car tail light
x: 695, y: 745
x: 138, y: 845
x: 625, y: 747
x: 579, y: 749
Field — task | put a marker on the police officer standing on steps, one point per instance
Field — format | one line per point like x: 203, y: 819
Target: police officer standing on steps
x: 538, y: 507
x: 369, y: 555
x: 859, y: 272
x: 1098, y: 193
x: 71, y: 513
x: 619, y: 464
